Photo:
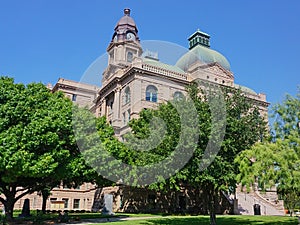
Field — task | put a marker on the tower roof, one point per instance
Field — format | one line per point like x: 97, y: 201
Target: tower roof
x: 199, y: 50
x: 126, y: 20
x: 199, y: 38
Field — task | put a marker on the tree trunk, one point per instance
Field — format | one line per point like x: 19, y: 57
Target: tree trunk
x: 291, y: 212
x: 45, y: 194
x: 44, y: 203
x: 9, y: 208
x: 212, y: 213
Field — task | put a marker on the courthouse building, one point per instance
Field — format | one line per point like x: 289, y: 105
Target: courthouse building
x: 135, y: 79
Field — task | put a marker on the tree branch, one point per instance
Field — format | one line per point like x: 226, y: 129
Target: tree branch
x: 2, y: 200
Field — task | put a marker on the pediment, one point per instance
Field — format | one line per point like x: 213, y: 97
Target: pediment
x: 216, y: 69
x: 204, y: 71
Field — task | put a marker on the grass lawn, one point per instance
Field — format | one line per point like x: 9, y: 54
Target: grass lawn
x: 161, y: 219
x: 221, y: 220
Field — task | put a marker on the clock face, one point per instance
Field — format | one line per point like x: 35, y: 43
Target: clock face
x: 130, y: 36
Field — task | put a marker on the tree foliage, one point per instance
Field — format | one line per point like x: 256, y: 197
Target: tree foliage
x: 37, y: 144
x: 244, y: 127
x: 277, y: 162
x: 160, y: 141
x: 287, y: 116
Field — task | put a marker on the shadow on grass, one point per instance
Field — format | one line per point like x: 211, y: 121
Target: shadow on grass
x: 224, y: 220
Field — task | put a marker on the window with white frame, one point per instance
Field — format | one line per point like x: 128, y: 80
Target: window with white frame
x: 76, y: 203
x: 151, y: 93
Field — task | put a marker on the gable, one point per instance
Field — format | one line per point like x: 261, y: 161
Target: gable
x: 218, y: 70
x: 213, y: 72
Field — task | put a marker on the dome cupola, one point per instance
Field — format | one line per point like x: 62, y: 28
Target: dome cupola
x: 125, y: 29
x: 126, y: 19
x: 199, y: 50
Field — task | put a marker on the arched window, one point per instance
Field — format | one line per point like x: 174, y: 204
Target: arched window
x: 127, y: 95
x: 151, y: 93
x: 178, y: 95
x: 129, y: 56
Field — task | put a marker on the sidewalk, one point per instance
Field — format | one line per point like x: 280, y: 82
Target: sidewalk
x: 106, y: 220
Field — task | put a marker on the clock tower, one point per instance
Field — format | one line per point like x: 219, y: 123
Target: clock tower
x: 124, y: 45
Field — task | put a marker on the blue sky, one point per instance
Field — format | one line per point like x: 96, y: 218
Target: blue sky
x: 44, y: 40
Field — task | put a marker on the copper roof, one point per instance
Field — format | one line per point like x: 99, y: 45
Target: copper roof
x: 126, y: 19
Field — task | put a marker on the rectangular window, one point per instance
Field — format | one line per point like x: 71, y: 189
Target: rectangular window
x: 128, y: 115
x: 74, y: 96
x: 66, y: 204
x: 111, y: 56
x: 148, y: 96
x: 129, y: 56
x: 124, y: 118
x: 100, y: 111
x: 111, y: 107
x: 152, y: 97
x: 76, y: 203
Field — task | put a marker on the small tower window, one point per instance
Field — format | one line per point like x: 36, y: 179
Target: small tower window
x: 151, y: 93
x: 129, y: 56
x: 111, y: 56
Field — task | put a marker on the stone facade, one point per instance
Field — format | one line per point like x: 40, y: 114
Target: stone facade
x: 134, y: 80
x: 80, y: 93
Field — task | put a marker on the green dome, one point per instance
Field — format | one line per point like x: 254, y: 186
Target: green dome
x: 204, y: 54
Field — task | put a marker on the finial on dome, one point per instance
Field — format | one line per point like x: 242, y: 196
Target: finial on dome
x: 127, y: 12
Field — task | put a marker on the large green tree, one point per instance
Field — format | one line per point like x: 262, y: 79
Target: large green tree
x: 190, y: 141
x: 277, y: 162
x: 207, y: 170
x: 37, y: 144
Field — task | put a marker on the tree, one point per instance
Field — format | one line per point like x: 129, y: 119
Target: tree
x: 174, y: 145
x: 244, y: 127
x: 287, y: 116
x: 37, y: 144
x: 276, y: 162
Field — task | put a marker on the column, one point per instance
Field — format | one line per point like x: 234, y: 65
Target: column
x: 116, y: 108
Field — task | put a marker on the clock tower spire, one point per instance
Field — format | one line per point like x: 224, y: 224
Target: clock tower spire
x: 125, y: 29
x: 124, y: 45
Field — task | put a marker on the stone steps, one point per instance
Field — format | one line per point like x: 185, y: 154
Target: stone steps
x: 246, y: 202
